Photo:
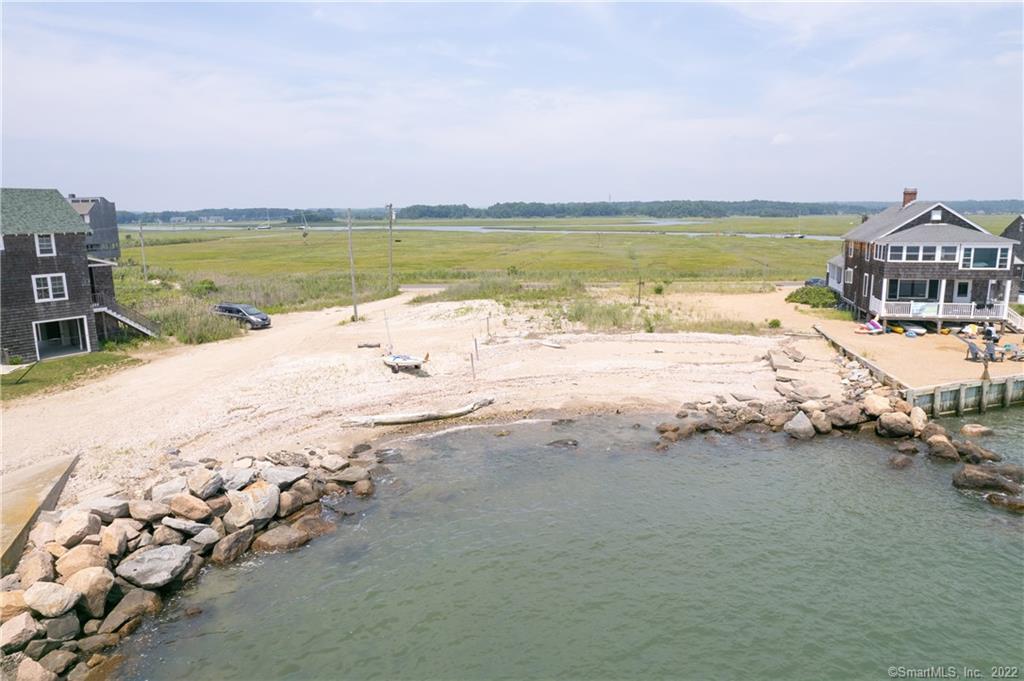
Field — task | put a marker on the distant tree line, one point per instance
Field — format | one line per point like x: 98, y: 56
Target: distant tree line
x: 519, y: 209
x: 678, y: 209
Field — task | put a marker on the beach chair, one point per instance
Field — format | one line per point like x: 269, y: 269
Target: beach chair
x: 1014, y: 352
x: 973, y: 352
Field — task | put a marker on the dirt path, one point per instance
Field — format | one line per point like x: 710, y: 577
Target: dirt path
x: 294, y: 385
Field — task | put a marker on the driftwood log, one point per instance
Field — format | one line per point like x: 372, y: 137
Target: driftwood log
x: 401, y: 419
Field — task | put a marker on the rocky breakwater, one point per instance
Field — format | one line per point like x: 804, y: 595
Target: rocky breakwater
x: 90, y: 574
x: 865, y: 405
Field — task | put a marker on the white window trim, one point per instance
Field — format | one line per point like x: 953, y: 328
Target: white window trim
x: 864, y: 286
x: 35, y: 292
x: 85, y: 331
x: 849, y: 249
x: 53, y: 245
x: 848, y: 276
x: 1009, y: 258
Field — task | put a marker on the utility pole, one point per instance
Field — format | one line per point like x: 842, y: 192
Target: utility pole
x: 142, y: 245
x: 352, y: 268
x: 391, y: 245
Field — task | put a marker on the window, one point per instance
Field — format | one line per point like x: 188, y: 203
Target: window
x: 867, y: 253
x: 49, y: 287
x: 928, y: 253
x: 912, y: 289
x: 985, y: 258
x: 86, y: 216
x: 963, y: 290
x: 849, y: 275
x: 849, y: 249
x: 45, y: 245
x: 1, y: 242
x: 937, y: 215
x: 864, y: 286
x: 896, y: 253
x: 913, y: 253
x: 948, y: 254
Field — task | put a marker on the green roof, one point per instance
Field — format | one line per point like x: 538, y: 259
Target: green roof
x: 38, y: 211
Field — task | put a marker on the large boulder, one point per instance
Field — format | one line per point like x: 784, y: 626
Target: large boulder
x: 363, y: 488
x: 81, y: 557
x: 232, y: 546
x: 156, y: 567
x: 204, y: 483
x: 1013, y: 471
x: 62, y: 628
x: 30, y: 670
x: 237, y: 478
x: 940, y: 447
x: 188, y: 506
x: 202, y: 542
x: 800, y: 427
x: 189, y: 527
x: 16, y: 632
x: 894, y: 424
x: 96, y: 643
x: 148, y: 511
x: 354, y: 474
x: 283, y: 476
x: 136, y: 603
x: 42, y: 533
x: 50, y: 599
x: 289, y: 503
x: 265, y: 499
x: 333, y: 463
x: 35, y: 566
x: 973, y: 453
x: 846, y: 416
x: 918, y: 419
x: 114, y: 540
x: 163, y: 492
x: 164, y: 535
x: 94, y: 584
x: 876, y: 405
x: 107, y: 508
x: 975, y: 430
x: 75, y: 526
x: 932, y: 428
x: 821, y: 422
x: 307, y: 490
x: 280, y: 538
x: 58, y: 661
x: 969, y: 476
x: 12, y: 603
x: 1014, y: 504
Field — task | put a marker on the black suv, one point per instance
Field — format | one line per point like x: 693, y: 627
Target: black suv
x: 243, y: 314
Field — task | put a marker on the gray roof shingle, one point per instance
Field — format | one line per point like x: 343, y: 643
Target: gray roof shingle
x: 942, y: 233
x: 38, y: 211
x: 878, y: 225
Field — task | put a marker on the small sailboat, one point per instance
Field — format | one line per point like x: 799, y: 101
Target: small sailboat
x: 399, y: 362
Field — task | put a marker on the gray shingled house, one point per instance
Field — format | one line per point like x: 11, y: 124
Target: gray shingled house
x: 55, y: 299
x: 101, y: 217
x: 923, y: 261
x: 1015, y: 231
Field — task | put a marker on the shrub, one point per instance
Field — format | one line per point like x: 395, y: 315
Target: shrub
x: 774, y: 323
x: 659, y: 289
x: 192, y: 322
x: 815, y: 296
x: 203, y: 287
x: 15, y: 359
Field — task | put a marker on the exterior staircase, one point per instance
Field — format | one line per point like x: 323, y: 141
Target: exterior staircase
x: 107, y: 305
x: 1014, y: 320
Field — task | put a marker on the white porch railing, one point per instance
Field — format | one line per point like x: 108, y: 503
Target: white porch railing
x: 921, y: 310
x: 1015, y: 320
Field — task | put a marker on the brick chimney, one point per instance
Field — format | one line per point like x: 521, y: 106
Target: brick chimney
x: 909, y: 196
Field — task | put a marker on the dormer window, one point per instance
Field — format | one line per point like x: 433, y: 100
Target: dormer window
x: 937, y: 215
x: 45, y: 245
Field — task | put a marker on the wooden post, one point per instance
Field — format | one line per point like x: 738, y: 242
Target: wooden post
x: 983, y: 397
x: 476, y: 348
x: 352, y: 267
x: 961, y: 396
x: 488, y: 326
x: 936, y: 403
x: 1007, y: 391
x: 472, y: 365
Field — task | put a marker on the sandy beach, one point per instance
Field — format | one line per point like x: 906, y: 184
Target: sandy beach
x: 295, y: 385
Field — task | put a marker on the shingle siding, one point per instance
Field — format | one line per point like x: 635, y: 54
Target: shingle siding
x: 18, y: 308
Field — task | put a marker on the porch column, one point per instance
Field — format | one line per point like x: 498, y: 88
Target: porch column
x: 885, y: 288
x: 942, y: 300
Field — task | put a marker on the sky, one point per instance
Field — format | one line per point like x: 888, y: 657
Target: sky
x: 186, y: 106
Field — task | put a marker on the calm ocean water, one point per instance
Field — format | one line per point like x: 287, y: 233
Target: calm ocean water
x: 742, y: 557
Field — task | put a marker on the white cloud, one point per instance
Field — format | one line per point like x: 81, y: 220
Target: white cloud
x: 781, y: 139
